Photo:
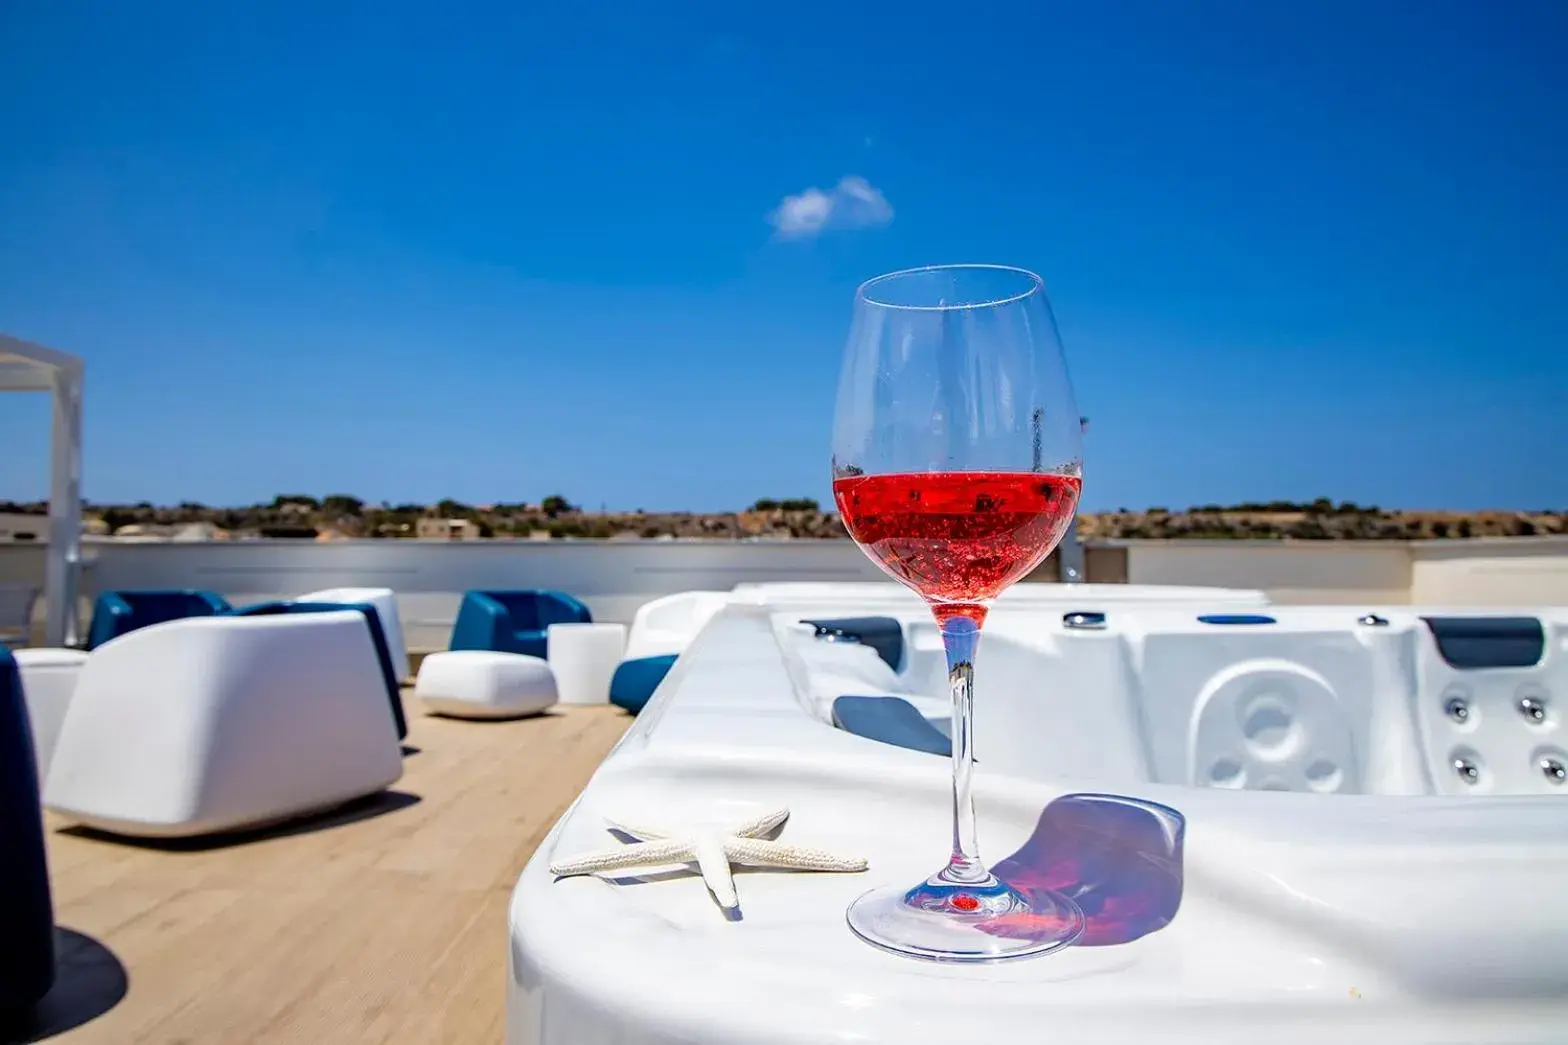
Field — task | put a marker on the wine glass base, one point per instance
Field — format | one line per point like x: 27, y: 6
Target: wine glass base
x: 948, y: 923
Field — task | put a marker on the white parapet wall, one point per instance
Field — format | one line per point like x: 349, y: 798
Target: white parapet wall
x: 1290, y: 571
x: 1510, y: 571
x: 613, y: 577
x: 1520, y: 572
x: 616, y: 577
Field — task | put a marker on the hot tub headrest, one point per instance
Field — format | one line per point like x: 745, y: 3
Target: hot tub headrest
x: 883, y: 634
x: 1488, y: 642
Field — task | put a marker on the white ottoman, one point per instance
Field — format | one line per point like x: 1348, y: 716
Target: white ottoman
x: 48, y: 682
x: 584, y: 657
x: 484, y: 684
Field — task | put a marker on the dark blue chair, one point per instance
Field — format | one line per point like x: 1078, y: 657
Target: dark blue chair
x: 26, y: 908
x: 513, y: 621
x: 117, y: 613
x: 636, y: 679
x: 377, y: 637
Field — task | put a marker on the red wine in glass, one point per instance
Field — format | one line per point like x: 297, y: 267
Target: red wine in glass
x: 957, y: 461
x: 957, y: 538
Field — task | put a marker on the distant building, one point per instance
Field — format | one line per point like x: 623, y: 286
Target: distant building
x: 199, y: 531
x: 143, y: 532
x: 447, y: 530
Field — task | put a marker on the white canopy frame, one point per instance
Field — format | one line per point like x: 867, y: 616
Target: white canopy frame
x: 26, y: 367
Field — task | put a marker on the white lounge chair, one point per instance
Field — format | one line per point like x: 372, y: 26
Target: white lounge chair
x: 212, y: 724
x: 667, y: 625
x: 49, y: 679
x: 385, y: 602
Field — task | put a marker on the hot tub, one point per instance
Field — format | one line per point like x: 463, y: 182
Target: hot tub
x: 1340, y: 825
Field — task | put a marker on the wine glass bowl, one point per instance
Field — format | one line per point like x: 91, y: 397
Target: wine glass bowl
x: 957, y: 467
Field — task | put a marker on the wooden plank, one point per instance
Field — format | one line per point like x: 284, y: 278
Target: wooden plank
x: 383, y: 923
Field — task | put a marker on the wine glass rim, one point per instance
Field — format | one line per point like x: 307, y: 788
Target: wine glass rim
x: 1036, y: 285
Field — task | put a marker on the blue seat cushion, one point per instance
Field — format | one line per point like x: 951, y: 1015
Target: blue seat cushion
x: 891, y: 720
x: 636, y: 679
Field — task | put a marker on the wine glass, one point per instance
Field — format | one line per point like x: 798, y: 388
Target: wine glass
x: 957, y: 464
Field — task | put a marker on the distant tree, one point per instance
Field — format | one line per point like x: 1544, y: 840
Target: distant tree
x: 765, y: 504
x: 800, y: 504
x: 450, y: 509
x: 1523, y: 528
x: 1321, y: 506
x: 1440, y: 529
x: 342, y: 504
x: 555, y: 505
x: 114, y: 518
x: 192, y: 506
x: 1464, y: 528
x: 294, y: 498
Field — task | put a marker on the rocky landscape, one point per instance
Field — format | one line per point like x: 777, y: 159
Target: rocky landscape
x: 341, y: 516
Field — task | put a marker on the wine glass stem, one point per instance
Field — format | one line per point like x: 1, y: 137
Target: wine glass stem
x: 960, y: 637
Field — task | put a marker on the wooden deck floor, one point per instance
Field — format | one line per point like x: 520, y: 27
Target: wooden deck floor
x: 382, y: 923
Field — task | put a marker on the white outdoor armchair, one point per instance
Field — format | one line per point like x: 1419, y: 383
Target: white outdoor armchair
x: 668, y: 625
x: 213, y: 724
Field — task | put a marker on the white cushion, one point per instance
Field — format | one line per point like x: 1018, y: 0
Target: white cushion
x: 48, y: 682
x: 485, y: 684
x: 216, y: 723
x: 385, y: 602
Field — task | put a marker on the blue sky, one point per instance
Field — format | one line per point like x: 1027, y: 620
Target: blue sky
x: 493, y: 251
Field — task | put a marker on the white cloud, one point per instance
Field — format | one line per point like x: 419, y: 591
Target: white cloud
x: 854, y: 203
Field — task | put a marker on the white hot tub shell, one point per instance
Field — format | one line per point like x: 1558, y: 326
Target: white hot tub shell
x: 1331, y: 875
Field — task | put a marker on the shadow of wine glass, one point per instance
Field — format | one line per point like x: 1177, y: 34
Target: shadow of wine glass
x: 88, y: 981
x: 1118, y: 858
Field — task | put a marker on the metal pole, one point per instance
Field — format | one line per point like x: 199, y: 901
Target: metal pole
x: 63, y: 558
x: 1070, y: 565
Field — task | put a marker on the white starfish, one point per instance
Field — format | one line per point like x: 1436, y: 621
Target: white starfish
x: 713, y: 851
